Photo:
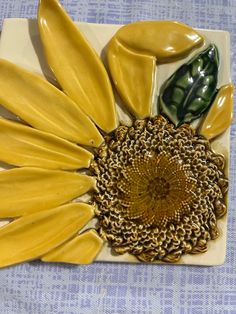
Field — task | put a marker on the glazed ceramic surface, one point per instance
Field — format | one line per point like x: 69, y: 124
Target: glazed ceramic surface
x: 20, y: 44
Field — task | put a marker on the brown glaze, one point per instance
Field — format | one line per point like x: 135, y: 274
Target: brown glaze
x: 188, y: 164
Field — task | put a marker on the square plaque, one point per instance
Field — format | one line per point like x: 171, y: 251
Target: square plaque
x: 20, y: 44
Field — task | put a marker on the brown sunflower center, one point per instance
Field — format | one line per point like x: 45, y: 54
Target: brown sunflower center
x: 160, y: 190
x: 156, y: 189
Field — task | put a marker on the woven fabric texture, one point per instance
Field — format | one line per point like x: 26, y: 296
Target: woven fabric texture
x: 35, y: 288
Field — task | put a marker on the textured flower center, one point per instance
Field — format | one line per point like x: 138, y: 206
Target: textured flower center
x: 158, y: 188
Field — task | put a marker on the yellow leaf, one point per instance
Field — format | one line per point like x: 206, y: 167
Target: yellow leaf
x: 167, y: 40
x: 43, y: 106
x: 33, y: 235
x: 134, y: 51
x: 24, y: 146
x: 220, y: 115
x: 76, y: 65
x: 133, y: 76
x: 28, y: 190
x: 83, y: 249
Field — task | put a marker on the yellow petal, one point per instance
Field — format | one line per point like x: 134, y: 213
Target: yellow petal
x: 33, y: 235
x: 76, y: 65
x: 24, y: 146
x: 131, y: 75
x: 83, y: 249
x: 28, y: 190
x: 167, y: 40
x: 134, y: 51
x: 220, y: 115
x: 43, y: 106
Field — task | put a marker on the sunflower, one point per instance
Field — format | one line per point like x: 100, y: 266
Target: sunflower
x: 155, y: 188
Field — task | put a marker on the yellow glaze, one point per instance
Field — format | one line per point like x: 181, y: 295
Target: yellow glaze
x: 21, y: 145
x: 31, y: 236
x: 43, y: 106
x: 27, y: 190
x: 83, y: 249
x: 133, y: 76
x: 134, y: 51
x: 220, y: 115
x: 167, y: 40
x: 76, y: 65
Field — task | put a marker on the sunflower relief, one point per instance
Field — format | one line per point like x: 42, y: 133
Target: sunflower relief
x: 155, y: 187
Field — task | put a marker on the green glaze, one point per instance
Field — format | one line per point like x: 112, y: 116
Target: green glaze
x: 191, y: 89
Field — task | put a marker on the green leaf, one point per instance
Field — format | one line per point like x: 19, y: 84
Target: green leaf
x: 191, y: 89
